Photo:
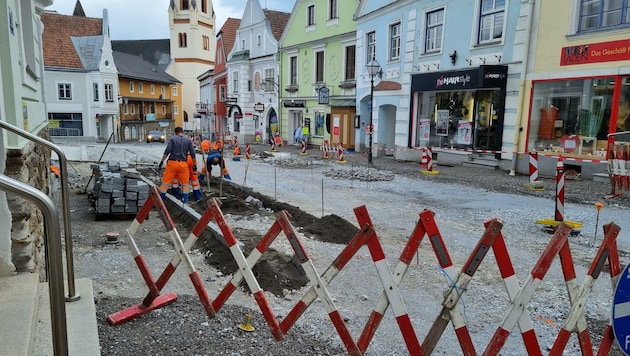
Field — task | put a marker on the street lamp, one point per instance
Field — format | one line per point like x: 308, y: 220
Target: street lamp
x: 373, y: 68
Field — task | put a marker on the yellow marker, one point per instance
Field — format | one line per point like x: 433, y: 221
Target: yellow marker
x: 248, y: 324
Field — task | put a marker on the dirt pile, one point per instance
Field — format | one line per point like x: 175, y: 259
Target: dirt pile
x: 275, y: 271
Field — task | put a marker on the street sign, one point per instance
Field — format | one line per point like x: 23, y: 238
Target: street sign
x: 621, y: 312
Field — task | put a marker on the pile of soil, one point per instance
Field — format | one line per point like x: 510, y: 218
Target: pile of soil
x: 276, y: 272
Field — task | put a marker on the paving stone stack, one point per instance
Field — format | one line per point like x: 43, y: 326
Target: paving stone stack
x: 118, y: 189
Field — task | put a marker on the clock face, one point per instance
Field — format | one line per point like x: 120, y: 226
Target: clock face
x: 306, y: 70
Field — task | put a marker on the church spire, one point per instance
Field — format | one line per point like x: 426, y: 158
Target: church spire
x: 78, y: 10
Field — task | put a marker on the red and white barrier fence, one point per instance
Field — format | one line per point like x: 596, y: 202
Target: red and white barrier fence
x: 154, y: 300
x: 390, y: 294
x: 248, y: 152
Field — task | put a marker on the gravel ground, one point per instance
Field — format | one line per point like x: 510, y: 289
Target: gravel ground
x: 394, y: 193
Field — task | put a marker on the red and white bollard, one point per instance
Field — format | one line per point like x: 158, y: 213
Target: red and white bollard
x: 428, y: 157
x: 559, y: 190
x: 326, y: 149
x: 423, y: 164
x: 248, y: 151
x: 303, y: 143
x: 340, y: 150
x: 533, y: 167
x: 534, y: 182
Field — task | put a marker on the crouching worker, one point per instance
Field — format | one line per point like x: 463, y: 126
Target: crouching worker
x: 177, y: 150
x: 215, y: 159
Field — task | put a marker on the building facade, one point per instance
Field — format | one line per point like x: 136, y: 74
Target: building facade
x: 253, y: 72
x: 224, y: 105
x: 457, y: 93
x: 192, y: 50
x: 22, y: 86
x: 81, y: 76
x: 150, y: 99
x: 579, y: 86
x: 318, y: 73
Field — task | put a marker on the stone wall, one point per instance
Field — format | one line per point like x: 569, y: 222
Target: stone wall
x: 31, y: 166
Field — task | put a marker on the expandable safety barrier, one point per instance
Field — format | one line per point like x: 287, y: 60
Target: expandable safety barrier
x: 457, y: 281
x: 340, y: 151
x: 154, y: 299
x: 248, y: 152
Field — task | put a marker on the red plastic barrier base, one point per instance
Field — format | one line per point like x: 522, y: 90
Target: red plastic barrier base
x: 139, y: 309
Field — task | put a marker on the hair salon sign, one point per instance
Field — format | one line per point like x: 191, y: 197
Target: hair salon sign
x: 595, y: 53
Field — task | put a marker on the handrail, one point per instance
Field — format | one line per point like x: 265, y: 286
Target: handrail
x: 618, y: 133
x: 63, y: 163
x: 52, y: 238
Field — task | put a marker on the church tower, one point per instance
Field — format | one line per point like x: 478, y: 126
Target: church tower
x: 193, y: 43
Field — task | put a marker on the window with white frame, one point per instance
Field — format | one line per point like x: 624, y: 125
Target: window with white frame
x: 174, y: 91
x: 133, y: 109
x: 235, y: 82
x: 394, y: 41
x: 350, y: 63
x: 491, y: 19
x: 319, y: 67
x: 222, y: 93
x: 269, y: 79
x: 163, y: 109
x: 95, y: 91
x: 332, y: 9
x: 109, y: 92
x: 140, y: 88
x: 310, y: 15
x: 162, y: 90
x: 370, y: 46
x: 293, y: 74
x: 126, y: 109
x: 434, y: 30
x: 131, y: 87
x: 175, y: 109
x: 595, y: 14
x: 65, y: 91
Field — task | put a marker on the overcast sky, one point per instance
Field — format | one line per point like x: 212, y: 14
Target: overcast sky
x: 148, y: 19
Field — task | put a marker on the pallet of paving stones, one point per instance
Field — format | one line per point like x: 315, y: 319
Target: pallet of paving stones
x: 119, y: 191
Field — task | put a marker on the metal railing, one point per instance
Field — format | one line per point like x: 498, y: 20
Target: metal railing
x: 63, y: 167
x: 52, y: 232
x: 64, y: 132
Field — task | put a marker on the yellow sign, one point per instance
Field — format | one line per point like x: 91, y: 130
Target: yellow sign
x: 53, y: 124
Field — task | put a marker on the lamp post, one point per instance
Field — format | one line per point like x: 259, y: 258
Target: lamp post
x: 373, y: 68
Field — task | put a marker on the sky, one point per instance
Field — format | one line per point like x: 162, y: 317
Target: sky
x: 148, y: 19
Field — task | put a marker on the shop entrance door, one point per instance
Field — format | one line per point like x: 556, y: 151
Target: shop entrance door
x: 486, y: 120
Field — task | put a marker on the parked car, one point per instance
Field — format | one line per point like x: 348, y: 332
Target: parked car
x: 156, y: 136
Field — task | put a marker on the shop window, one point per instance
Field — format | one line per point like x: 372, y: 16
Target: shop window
x: 571, y: 113
x: 623, y: 111
x: 320, y: 124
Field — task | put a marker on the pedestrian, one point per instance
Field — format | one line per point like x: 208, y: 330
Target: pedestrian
x: 297, y: 135
x: 177, y: 150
